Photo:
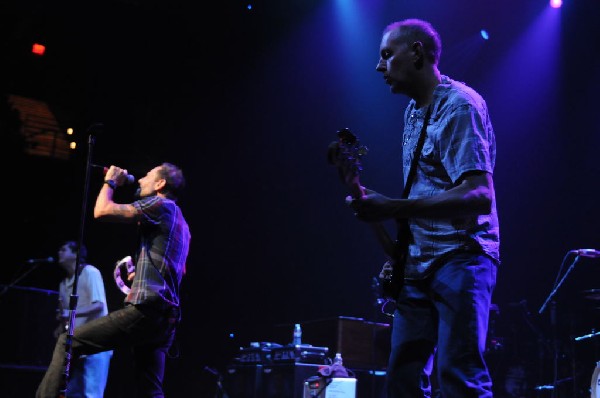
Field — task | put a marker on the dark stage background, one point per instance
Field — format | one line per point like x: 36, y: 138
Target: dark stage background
x: 246, y: 102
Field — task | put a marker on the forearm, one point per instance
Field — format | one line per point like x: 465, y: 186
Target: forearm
x: 103, y: 201
x: 472, y: 196
x: 457, y: 202
x: 106, y: 209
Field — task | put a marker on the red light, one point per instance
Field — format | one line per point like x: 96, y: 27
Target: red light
x: 38, y: 49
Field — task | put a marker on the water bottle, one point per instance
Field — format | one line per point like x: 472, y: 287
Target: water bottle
x: 338, y: 359
x: 297, y: 335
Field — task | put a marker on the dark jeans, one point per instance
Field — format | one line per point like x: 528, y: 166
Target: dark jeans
x: 149, y: 331
x: 446, y: 315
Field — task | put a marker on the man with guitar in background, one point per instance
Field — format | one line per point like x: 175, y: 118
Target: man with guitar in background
x: 89, y: 373
x: 447, y: 251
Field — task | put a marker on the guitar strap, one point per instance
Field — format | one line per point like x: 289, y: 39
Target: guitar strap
x: 415, y: 159
x: 404, y: 234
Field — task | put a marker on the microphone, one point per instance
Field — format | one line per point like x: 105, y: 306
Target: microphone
x: 40, y: 260
x: 592, y: 253
x: 129, y: 178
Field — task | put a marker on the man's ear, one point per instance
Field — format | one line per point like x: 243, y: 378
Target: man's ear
x: 419, y: 56
x: 160, y: 184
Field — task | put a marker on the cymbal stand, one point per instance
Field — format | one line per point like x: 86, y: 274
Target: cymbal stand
x: 553, y: 321
x: 5, y: 288
x: 587, y: 336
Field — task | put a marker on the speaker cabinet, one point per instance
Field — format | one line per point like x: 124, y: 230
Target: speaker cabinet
x: 363, y: 344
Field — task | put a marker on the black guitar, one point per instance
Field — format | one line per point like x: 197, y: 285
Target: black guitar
x: 346, y: 154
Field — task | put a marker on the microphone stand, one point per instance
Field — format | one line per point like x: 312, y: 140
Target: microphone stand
x: 5, y: 288
x: 74, y: 297
x: 553, y: 320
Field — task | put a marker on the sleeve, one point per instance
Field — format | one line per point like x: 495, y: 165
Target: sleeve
x: 469, y: 142
x: 96, y: 285
x: 150, y: 209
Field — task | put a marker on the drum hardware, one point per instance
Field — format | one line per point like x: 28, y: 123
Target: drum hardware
x: 552, y: 386
x: 591, y: 294
x: 553, y: 314
x: 587, y: 336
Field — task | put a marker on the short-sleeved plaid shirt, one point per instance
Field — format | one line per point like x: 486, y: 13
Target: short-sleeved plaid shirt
x: 459, y: 139
x: 162, y: 253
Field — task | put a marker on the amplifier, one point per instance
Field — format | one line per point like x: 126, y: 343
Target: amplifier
x: 304, y: 353
x: 257, y: 353
x: 362, y: 344
x: 265, y: 353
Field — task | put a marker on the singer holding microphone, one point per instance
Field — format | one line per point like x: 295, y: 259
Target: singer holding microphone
x: 151, y: 311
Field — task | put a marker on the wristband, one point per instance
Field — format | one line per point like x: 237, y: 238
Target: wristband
x: 111, y: 183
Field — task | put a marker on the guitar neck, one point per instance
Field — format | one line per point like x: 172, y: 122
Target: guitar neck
x: 356, y: 190
x: 384, y: 239
x: 382, y: 235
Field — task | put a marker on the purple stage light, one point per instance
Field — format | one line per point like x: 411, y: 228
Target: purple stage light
x: 556, y: 3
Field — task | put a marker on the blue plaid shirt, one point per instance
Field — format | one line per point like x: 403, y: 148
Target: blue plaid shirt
x: 162, y: 254
x: 460, y: 138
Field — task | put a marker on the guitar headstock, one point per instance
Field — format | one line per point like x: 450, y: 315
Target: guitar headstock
x: 346, y: 154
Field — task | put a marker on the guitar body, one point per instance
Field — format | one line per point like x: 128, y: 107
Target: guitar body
x: 391, y: 278
x: 392, y: 281
x: 346, y: 154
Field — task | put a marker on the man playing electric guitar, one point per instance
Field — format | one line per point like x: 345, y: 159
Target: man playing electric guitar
x: 89, y: 373
x: 449, y: 214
